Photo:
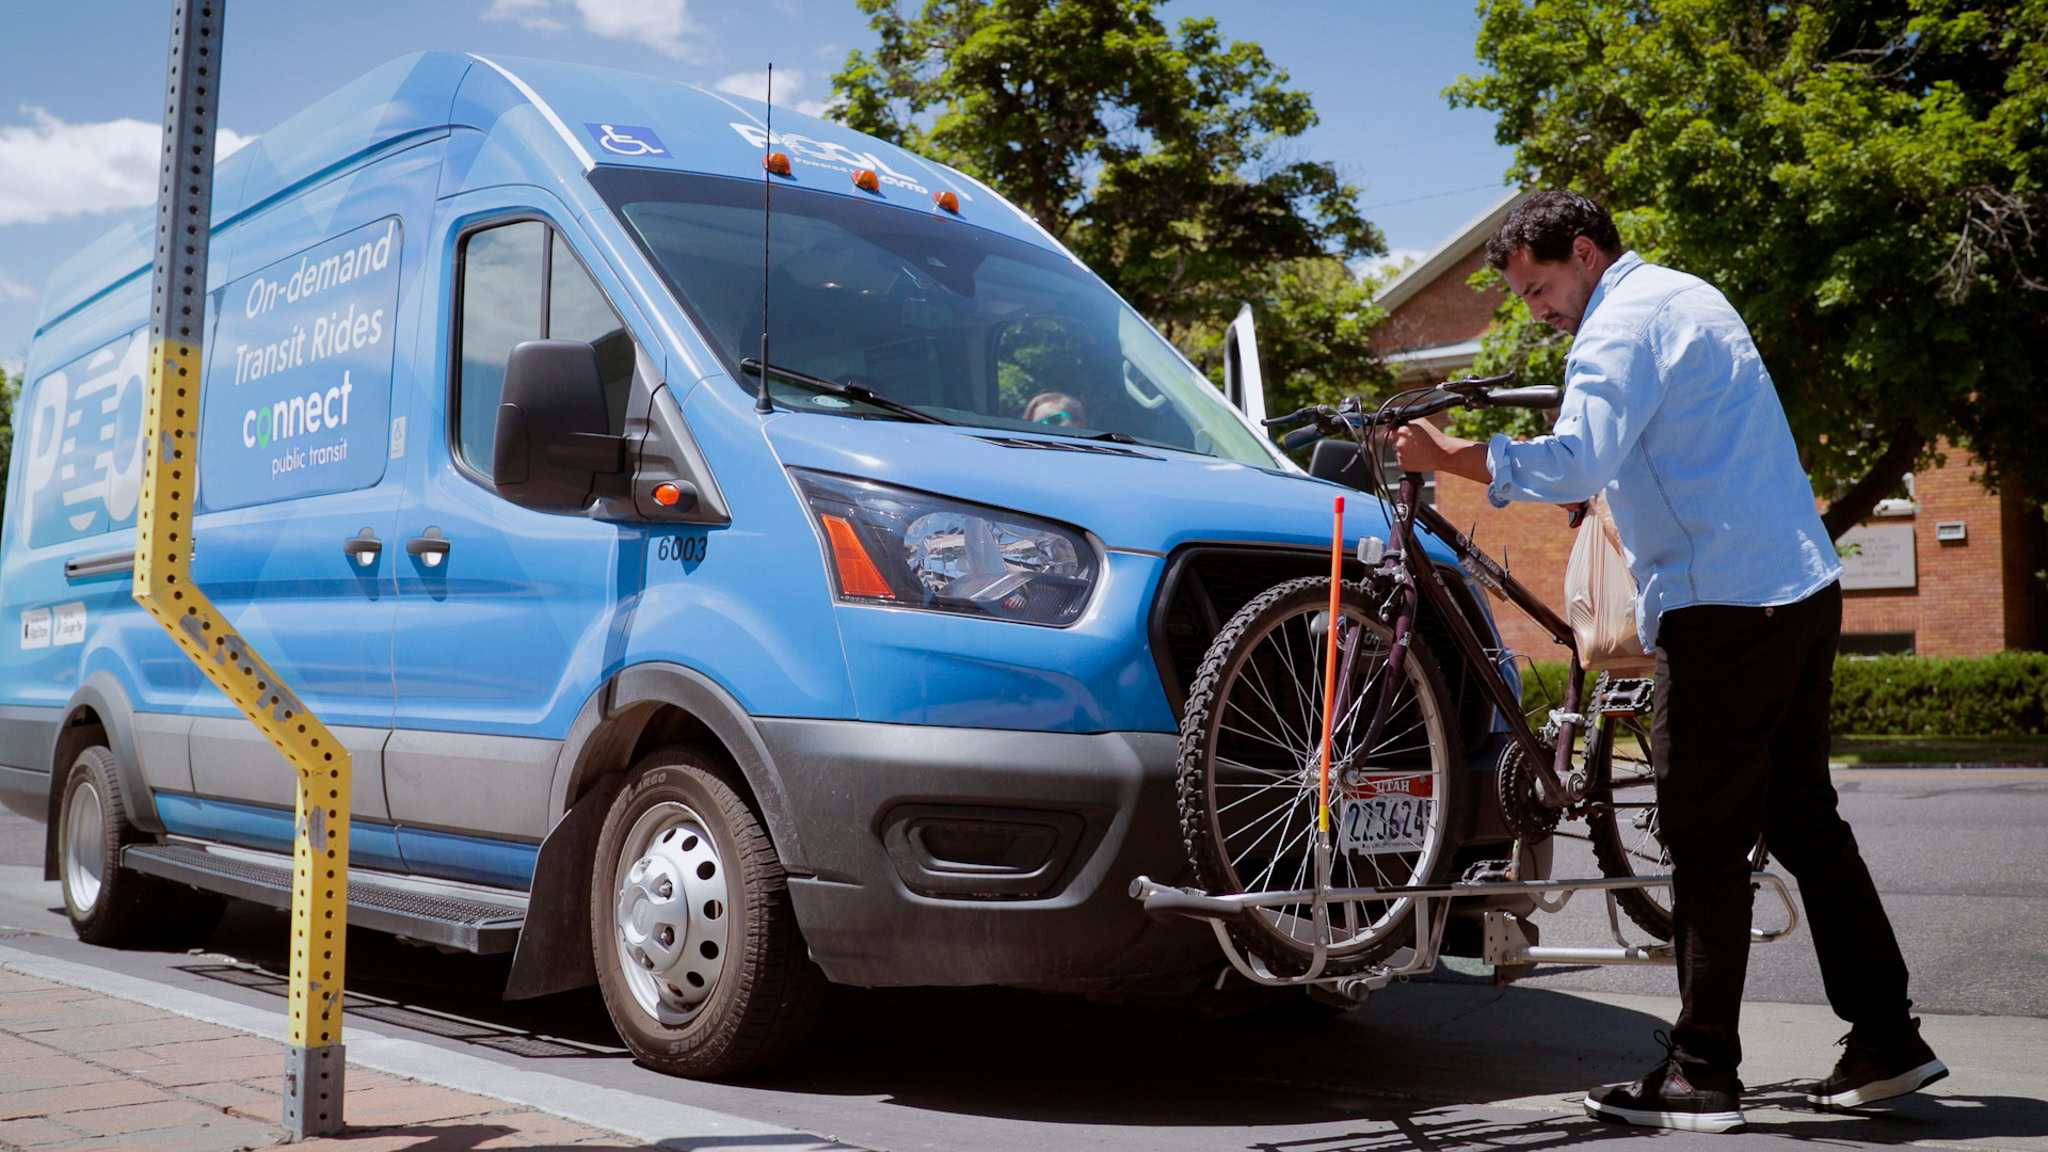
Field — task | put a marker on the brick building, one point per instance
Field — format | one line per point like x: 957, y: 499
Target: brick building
x: 1949, y: 571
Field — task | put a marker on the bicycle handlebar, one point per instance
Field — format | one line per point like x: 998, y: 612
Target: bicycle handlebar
x: 1524, y: 398
x: 1301, y: 437
x: 1478, y: 392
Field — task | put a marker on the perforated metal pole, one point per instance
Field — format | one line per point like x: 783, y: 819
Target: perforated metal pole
x: 163, y: 575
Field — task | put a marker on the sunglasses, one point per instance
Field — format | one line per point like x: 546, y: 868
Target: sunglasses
x: 1060, y: 417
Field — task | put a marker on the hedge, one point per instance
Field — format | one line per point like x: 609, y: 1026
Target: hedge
x: 2003, y: 694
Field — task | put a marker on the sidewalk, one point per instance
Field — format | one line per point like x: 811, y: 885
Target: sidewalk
x: 83, y: 1070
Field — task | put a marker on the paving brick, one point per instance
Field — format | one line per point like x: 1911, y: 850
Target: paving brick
x: 12, y: 981
x: 50, y: 1070
x: 14, y: 1047
x: 17, y: 1007
x: 415, y: 1138
x: 128, y: 1059
x: 365, y: 1078
x: 182, y: 1072
x: 530, y: 1129
x: 260, y: 1102
x: 143, y: 1117
x: 221, y: 1135
x: 77, y: 1097
x: 129, y: 1034
x: 32, y: 1131
x: 35, y: 1018
x: 413, y: 1103
x: 217, y: 1048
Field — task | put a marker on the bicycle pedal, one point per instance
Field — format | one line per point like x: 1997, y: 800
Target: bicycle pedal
x: 1487, y: 872
x: 1626, y: 696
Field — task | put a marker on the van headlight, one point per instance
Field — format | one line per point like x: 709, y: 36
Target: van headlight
x: 912, y: 549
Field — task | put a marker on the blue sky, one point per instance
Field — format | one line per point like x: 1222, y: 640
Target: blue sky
x: 81, y: 82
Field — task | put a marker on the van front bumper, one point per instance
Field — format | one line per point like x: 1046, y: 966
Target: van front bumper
x: 966, y: 856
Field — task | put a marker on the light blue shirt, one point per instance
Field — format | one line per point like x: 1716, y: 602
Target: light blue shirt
x: 1668, y: 408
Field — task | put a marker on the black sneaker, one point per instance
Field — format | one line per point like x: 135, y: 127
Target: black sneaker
x: 1664, y: 1098
x: 1871, y: 1071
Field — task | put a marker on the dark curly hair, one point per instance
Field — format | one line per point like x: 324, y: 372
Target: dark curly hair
x: 1547, y: 222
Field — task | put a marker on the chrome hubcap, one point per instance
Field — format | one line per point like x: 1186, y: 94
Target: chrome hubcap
x: 671, y: 913
x: 82, y: 865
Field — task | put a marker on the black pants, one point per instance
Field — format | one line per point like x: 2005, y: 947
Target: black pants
x: 1740, y: 741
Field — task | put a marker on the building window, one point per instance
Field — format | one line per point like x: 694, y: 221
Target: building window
x: 1876, y: 644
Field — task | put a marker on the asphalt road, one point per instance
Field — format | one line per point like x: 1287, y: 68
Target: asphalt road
x: 1443, y: 1063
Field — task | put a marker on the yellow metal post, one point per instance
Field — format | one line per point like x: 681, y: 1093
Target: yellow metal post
x: 163, y: 576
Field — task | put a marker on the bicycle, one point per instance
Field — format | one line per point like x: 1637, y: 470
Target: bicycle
x: 1328, y: 852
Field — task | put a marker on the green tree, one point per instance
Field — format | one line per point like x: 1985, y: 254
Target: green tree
x: 1867, y: 180
x: 1158, y: 156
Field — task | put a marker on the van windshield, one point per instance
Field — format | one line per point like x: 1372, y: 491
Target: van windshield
x: 960, y: 323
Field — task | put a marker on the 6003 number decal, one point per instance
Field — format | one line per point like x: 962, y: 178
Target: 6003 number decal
x: 682, y: 549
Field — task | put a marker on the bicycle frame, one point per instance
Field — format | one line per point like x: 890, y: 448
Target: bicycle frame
x: 1422, y: 581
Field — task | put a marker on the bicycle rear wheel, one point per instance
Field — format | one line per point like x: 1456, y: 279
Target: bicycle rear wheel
x: 1250, y: 773
x: 1622, y: 821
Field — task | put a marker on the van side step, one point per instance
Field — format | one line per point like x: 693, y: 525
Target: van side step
x: 429, y: 917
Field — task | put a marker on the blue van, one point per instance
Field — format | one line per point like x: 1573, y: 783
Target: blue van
x: 703, y: 689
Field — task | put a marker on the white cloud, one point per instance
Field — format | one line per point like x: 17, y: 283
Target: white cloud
x: 50, y: 169
x: 663, y: 25
x: 12, y: 289
x: 788, y: 82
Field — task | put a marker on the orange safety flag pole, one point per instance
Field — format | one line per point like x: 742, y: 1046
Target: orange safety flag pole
x: 1330, y: 665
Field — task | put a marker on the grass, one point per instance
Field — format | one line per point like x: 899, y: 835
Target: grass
x: 1940, y: 749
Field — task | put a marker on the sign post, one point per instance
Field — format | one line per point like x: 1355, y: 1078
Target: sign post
x: 163, y: 575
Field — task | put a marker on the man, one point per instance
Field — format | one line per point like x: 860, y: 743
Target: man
x: 1668, y: 409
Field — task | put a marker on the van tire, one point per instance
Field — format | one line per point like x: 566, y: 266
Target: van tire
x: 108, y: 904
x: 679, y: 823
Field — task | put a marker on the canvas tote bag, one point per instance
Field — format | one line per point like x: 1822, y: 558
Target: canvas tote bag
x: 1600, y: 598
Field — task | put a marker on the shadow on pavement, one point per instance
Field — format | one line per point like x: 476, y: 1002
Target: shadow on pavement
x: 1912, y: 1118
x: 1446, y: 1064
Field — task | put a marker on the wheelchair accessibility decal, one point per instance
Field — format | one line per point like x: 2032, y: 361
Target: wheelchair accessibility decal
x: 626, y: 139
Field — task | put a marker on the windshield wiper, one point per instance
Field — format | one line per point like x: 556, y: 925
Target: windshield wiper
x: 851, y: 391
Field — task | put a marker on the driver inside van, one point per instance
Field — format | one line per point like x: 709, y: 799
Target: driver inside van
x: 1055, y: 408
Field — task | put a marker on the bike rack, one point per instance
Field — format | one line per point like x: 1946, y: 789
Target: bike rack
x: 1506, y: 940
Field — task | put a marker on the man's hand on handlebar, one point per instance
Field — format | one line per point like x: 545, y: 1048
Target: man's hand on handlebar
x: 1422, y: 447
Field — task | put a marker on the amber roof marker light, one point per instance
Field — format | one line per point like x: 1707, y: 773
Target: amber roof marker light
x: 866, y: 180
x: 947, y: 201
x: 776, y: 162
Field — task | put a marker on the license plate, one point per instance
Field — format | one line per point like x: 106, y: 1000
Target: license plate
x: 1385, y: 814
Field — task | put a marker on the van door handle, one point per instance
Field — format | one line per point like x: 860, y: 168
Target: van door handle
x: 430, y: 546
x: 363, y: 547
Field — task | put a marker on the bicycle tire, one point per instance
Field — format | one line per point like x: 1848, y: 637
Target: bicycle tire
x: 1619, y: 852
x: 1631, y: 846
x: 1274, y: 633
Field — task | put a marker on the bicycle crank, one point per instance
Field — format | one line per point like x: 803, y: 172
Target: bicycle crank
x: 1521, y: 806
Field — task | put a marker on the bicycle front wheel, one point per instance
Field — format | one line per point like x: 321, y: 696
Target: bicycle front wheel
x: 1250, y: 774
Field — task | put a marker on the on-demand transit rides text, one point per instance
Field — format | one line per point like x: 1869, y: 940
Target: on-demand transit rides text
x: 302, y: 355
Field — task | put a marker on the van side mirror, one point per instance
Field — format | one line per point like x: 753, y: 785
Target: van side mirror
x: 553, y: 442
x: 1336, y: 458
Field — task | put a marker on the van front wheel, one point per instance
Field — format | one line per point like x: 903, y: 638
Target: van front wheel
x: 698, y: 955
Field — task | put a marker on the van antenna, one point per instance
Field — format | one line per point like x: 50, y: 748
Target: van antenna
x: 762, y: 403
